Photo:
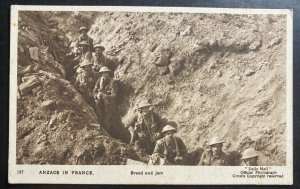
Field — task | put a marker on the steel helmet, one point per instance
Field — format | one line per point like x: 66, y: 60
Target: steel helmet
x: 83, y: 43
x: 168, y: 128
x: 98, y: 46
x: 85, y: 63
x: 82, y: 28
x: 215, y: 140
x: 104, y: 69
x: 249, y: 153
x: 144, y: 104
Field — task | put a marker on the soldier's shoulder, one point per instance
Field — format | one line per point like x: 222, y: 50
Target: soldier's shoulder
x: 178, y: 138
x: 224, y: 155
x: 160, y: 141
x: 207, y: 152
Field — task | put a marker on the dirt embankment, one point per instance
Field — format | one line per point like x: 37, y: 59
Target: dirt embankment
x: 55, y: 125
x: 225, y: 75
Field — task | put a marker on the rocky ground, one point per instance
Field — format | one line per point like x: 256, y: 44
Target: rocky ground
x: 224, y: 76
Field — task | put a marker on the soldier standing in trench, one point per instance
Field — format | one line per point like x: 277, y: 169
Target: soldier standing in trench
x: 85, y: 81
x: 145, y: 127
x: 105, y: 93
x: 84, y: 37
x: 99, y: 59
x: 84, y: 55
x: 214, y: 156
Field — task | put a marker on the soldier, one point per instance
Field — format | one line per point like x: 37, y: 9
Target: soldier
x: 85, y: 54
x: 84, y: 37
x: 214, y: 156
x: 145, y: 127
x: 250, y: 157
x: 105, y: 93
x: 85, y: 81
x: 171, y: 147
x: 99, y: 59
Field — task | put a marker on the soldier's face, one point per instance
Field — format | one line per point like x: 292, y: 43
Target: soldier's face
x: 251, y: 161
x: 83, y: 32
x: 169, y: 134
x: 106, y: 74
x: 83, y: 48
x: 87, y: 68
x: 98, y: 51
x: 145, y: 110
x: 217, y: 149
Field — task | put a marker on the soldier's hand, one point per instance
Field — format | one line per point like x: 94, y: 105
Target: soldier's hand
x: 178, y: 158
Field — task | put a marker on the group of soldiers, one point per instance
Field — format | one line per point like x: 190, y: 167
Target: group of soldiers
x: 162, y: 143
x: 93, y: 77
x: 92, y: 74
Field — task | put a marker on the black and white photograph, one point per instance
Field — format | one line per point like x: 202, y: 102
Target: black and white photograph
x: 149, y: 92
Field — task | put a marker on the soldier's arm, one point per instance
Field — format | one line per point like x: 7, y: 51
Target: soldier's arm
x: 158, y: 148
x: 182, y: 148
x: 114, y: 89
x: 95, y: 91
x: 201, y: 162
x: 88, y: 56
x: 225, y: 159
x: 158, y: 122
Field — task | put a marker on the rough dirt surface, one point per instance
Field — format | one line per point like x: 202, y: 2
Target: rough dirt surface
x: 224, y: 76
x: 53, y: 120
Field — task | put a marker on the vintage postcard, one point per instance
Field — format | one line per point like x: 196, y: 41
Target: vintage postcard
x: 150, y: 95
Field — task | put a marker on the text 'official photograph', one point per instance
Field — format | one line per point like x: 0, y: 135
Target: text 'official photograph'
x: 144, y: 88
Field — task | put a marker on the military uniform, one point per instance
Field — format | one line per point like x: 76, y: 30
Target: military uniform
x: 84, y: 83
x: 209, y: 159
x: 147, y: 128
x: 171, y: 149
x: 86, y: 38
x: 105, y: 93
x: 102, y: 60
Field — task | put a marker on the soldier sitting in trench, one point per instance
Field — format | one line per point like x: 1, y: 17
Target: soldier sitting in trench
x: 250, y: 157
x: 145, y: 127
x: 214, y: 156
x: 105, y: 94
x: 171, y: 148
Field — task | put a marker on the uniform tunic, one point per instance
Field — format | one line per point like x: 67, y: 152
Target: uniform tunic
x: 105, y: 93
x: 88, y: 40
x: 84, y: 83
x: 101, y: 60
x: 148, y: 130
x: 209, y: 159
x: 171, y: 149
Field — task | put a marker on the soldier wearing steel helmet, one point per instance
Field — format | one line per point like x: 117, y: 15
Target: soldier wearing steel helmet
x: 171, y: 147
x: 145, y: 127
x: 105, y: 93
x: 99, y: 59
x: 85, y: 81
x: 215, y: 155
x: 250, y: 157
x: 85, y: 54
x: 84, y: 37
